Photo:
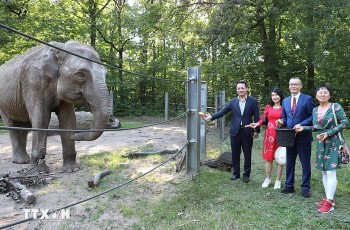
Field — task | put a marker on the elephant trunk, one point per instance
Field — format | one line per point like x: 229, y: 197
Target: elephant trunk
x: 100, y: 108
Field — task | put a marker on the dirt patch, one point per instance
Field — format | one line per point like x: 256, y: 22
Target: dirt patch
x: 108, y: 211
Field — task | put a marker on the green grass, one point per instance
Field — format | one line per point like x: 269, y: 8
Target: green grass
x: 210, y: 200
x: 106, y: 160
x: 2, y: 124
x: 131, y: 124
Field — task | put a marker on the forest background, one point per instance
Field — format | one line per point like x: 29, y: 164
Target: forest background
x: 149, y: 44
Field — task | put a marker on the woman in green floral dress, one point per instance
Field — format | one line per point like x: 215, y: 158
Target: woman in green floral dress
x: 327, y: 143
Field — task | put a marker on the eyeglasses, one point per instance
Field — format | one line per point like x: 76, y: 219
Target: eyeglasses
x: 294, y: 84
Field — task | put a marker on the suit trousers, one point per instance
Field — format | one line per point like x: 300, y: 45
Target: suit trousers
x: 243, y: 140
x: 304, y: 152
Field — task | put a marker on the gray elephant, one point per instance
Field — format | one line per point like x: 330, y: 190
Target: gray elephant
x: 45, y: 80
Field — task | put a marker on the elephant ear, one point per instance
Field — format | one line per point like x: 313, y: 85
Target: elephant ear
x: 48, y: 62
x: 59, y: 54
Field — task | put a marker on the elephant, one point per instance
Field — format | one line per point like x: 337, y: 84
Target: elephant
x: 45, y: 79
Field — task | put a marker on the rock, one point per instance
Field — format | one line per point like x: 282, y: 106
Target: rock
x: 223, y: 162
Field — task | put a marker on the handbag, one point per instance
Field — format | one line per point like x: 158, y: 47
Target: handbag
x: 344, y: 152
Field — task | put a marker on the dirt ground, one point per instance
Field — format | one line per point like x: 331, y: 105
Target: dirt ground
x: 72, y: 187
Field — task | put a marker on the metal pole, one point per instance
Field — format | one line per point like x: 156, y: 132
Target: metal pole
x: 203, y: 124
x: 193, y: 120
x: 166, y: 106
x: 216, y: 99
x: 222, y: 121
x: 111, y: 98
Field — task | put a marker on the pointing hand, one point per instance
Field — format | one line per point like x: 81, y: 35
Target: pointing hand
x: 204, y: 116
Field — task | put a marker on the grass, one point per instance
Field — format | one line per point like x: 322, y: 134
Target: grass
x: 210, y: 200
x: 2, y: 124
x: 131, y: 124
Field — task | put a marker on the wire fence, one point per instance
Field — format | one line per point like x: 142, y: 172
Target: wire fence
x: 135, y: 94
x: 100, y: 194
x: 89, y: 130
x: 145, y: 101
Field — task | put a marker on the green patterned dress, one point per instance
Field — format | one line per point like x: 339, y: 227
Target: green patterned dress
x: 327, y: 152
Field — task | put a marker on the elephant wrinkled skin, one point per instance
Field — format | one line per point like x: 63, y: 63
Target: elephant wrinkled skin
x: 45, y: 80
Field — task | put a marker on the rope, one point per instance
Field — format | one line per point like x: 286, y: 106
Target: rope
x: 104, y: 64
x: 89, y: 130
x: 100, y: 194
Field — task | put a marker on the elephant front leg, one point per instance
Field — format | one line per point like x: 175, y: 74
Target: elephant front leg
x: 67, y: 120
x: 69, y: 154
x: 39, y: 152
x: 39, y: 141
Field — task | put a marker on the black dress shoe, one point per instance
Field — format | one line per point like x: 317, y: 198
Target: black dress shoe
x: 305, y: 194
x: 246, y: 179
x: 288, y: 190
x: 234, y: 177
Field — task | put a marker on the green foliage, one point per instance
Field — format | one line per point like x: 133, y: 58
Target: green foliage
x: 264, y: 42
x: 2, y: 124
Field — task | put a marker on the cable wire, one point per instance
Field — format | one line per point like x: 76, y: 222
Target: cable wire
x: 89, y: 130
x: 100, y: 194
x: 77, y: 55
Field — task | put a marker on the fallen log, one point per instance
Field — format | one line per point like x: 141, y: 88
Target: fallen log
x: 97, y: 178
x: 144, y: 154
x: 83, y: 121
x: 22, y: 190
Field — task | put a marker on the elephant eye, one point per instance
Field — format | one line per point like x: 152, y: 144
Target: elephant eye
x: 79, y: 77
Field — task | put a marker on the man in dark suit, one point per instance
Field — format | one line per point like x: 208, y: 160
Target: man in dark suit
x: 243, y: 108
x: 297, y: 109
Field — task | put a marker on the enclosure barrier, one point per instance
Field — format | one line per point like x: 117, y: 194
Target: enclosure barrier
x: 203, y: 124
x: 222, y: 120
x: 97, y: 195
x: 193, y: 123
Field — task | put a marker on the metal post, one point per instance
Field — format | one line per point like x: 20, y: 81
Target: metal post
x: 111, y: 98
x: 222, y: 121
x: 166, y: 106
x: 216, y: 99
x: 193, y: 120
x: 203, y: 124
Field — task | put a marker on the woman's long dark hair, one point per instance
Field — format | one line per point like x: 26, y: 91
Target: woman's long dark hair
x: 279, y: 93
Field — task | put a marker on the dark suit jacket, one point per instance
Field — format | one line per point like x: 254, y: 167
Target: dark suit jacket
x: 302, y: 116
x: 251, y: 110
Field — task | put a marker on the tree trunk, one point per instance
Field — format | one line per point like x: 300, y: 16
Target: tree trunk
x: 310, y: 50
